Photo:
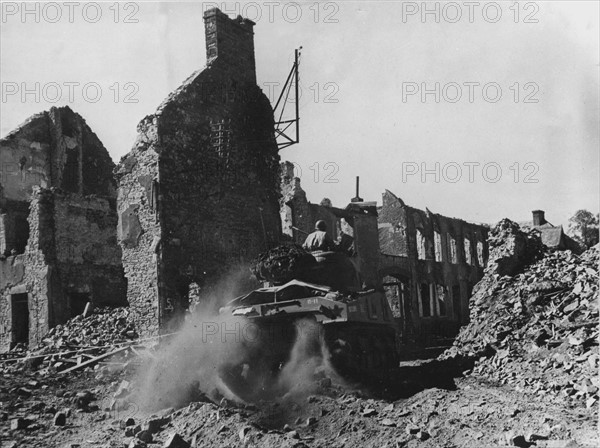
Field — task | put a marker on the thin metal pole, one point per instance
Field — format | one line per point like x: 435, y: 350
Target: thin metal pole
x: 284, y: 87
x: 297, y: 98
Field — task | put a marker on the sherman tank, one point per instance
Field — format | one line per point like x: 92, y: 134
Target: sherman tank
x: 336, y: 296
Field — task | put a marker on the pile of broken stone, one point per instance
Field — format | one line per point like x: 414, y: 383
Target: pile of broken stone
x: 79, y: 339
x: 534, y: 319
x: 105, y: 326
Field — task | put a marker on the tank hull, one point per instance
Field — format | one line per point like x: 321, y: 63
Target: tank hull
x: 352, y: 334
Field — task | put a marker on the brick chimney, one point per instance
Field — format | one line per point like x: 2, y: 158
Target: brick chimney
x: 231, y: 41
x: 538, y: 217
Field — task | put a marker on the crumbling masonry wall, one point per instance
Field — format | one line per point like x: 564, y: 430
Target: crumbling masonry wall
x: 198, y: 193
x: 139, y: 230
x: 88, y: 258
x: 71, y: 258
x: 55, y: 148
x: 298, y: 214
x: 58, y: 246
x: 438, y: 258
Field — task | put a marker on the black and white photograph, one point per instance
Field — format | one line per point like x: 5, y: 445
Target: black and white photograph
x: 299, y: 224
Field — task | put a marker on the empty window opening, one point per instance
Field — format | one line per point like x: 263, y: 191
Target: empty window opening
x: 77, y: 302
x: 21, y: 233
x: 467, y: 245
x: 452, y: 249
x: 14, y: 233
x: 480, y: 253
x: 442, y: 300
x: 421, y: 249
x: 395, y: 292
x: 437, y: 240
x: 20, y: 318
x: 154, y: 194
x: 425, y: 300
x: 71, y: 174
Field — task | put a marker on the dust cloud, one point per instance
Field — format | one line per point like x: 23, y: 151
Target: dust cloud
x: 215, y: 356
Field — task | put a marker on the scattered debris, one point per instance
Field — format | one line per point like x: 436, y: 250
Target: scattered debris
x: 531, y: 341
x: 536, y: 330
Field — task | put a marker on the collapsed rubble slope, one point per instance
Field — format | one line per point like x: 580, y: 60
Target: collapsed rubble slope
x: 77, y: 340
x: 534, y: 319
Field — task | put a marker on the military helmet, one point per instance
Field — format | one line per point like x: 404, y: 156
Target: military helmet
x: 320, y: 225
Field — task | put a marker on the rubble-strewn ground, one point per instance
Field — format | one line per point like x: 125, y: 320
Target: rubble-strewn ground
x: 523, y: 373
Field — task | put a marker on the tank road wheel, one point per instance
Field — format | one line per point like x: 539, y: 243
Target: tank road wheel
x: 340, y: 354
x: 341, y: 347
x: 361, y: 353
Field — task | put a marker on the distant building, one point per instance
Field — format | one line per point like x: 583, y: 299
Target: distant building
x: 553, y: 237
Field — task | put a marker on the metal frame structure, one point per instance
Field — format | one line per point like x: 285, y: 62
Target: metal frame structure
x: 281, y: 126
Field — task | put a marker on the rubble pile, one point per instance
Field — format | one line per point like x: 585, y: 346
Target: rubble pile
x: 512, y: 249
x: 105, y: 327
x: 536, y: 330
x: 77, y: 341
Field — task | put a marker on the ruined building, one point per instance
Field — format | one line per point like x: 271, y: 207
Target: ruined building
x: 58, y: 222
x: 427, y: 263
x: 553, y: 237
x: 198, y: 193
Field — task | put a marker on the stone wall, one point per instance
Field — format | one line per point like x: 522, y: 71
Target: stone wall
x: 199, y: 191
x: 232, y: 43
x: 58, y: 209
x: 297, y: 212
x: 88, y: 258
x: 25, y: 156
x: 55, y: 148
x: 72, y: 254
x: 30, y: 274
x: 40, y: 281
x: 139, y: 229
x: 447, y: 255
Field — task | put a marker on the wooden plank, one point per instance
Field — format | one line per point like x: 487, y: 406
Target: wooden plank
x: 95, y: 360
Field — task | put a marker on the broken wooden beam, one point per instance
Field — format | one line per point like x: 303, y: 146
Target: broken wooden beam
x: 95, y: 360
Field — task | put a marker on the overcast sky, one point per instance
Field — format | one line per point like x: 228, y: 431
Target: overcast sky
x: 363, y: 70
